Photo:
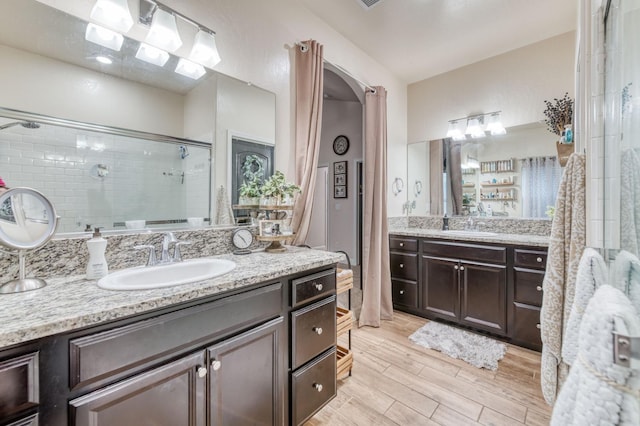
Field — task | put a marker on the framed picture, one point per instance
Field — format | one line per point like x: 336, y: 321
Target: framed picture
x: 340, y: 191
x: 340, y: 167
x: 270, y: 228
x: 340, y: 179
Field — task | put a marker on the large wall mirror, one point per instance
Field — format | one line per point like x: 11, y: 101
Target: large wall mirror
x: 511, y: 175
x: 119, y: 142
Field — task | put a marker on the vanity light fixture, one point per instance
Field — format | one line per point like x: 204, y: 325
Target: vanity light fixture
x: 152, y: 55
x: 204, y: 50
x: 163, y: 33
x: 114, y: 14
x: 494, y: 124
x: 456, y: 131
x: 474, y: 127
x: 190, y: 69
x: 104, y: 37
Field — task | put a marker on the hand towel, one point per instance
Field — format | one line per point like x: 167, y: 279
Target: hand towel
x: 224, y: 213
x: 626, y: 276
x: 592, y: 273
x: 630, y: 201
x: 566, y: 244
x: 597, y: 391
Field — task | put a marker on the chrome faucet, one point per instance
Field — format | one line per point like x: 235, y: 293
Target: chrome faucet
x: 166, y: 256
x: 167, y: 240
x: 468, y: 226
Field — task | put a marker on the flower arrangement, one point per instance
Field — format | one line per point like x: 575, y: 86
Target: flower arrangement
x: 278, y: 189
x: 250, y: 189
x: 559, y: 114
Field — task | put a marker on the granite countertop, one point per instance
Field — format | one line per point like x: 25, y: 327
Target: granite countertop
x: 499, y: 238
x: 70, y: 303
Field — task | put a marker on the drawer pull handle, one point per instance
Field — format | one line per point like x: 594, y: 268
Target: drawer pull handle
x: 539, y: 288
x: 462, y: 268
x: 538, y: 326
x: 202, y: 372
x: 539, y: 260
x: 456, y: 267
x: 317, y: 330
x: 401, y: 291
x: 318, y: 387
x: 401, y: 265
x: 401, y: 244
x: 216, y: 365
x: 318, y: 286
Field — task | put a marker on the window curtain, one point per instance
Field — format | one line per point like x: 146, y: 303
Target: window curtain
x: 376, y: 303
x: 308, y: 122
x: 540, y: 181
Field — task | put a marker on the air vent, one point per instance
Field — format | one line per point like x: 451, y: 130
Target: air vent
x: 368, y: 4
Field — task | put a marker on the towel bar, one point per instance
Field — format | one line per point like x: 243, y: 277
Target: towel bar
x: 626, y: 350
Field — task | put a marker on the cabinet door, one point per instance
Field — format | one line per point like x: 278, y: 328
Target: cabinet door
x: 246, y: 377
x: 440, y: 291
x: 484, y: 296
x: 173, y: 394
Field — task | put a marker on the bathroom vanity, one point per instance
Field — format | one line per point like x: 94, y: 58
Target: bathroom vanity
x: 489, y: 283
x: 255, y: 346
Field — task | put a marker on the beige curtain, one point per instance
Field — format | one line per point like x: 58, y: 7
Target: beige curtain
x: 436, y: 154
x: 309, y: 87
x: 454, y: 173
x: 376, y: 303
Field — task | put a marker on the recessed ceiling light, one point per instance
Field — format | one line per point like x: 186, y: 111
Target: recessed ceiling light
x: 104, y: 60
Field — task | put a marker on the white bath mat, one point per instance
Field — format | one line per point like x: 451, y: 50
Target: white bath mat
x: 477, y: 350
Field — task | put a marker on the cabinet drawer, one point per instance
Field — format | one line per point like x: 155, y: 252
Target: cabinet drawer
x: 112, y: 353
x: 313, y: 330
x: 403, y: 244
x: 536, y: 259
x: 313, y: 386
x: 31, y: 420
x: 313, y: 287
x: 404, y: 266
x: 476, y: 252
x: 19, y: 389
x: 528, y: 286
x: 526, y: 329
x: 405, y: 293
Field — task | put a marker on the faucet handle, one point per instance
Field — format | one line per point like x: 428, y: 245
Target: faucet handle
x: 151, y: 260
x: 177, y: 255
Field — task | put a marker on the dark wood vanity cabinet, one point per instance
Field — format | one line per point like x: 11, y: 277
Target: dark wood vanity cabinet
x: 466, y: 289
x: 258, y: 356
x: 489, y: 287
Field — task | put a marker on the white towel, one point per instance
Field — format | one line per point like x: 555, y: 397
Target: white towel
x: 224, y: 213
x: 630, y: 201
x: 592, y: 273
x: 626, y: 276
x: 597, y: 391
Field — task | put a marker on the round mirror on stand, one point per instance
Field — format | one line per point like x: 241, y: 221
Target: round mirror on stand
x: 27, y: 221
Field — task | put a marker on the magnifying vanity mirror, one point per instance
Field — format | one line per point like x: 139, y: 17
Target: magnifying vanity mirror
x: 27, y: 221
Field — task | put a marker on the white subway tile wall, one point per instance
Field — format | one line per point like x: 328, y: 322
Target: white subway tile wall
x: 100, y: 179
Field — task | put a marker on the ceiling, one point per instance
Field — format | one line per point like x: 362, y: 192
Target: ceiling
x: 418, y: 39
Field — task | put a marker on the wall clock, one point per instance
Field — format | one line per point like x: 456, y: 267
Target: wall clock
x: 242, y: 238
x: 341, y: 145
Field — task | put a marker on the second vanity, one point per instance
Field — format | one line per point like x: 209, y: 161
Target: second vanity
x: 255, y: 346
x: 488, y: 282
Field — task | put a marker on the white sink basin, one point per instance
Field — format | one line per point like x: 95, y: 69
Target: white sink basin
x: 470, y: 233
x: 147, y: 277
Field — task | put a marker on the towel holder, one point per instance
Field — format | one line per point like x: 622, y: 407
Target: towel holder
x: 626, y: 348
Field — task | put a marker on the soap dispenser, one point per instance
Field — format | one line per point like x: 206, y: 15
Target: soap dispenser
x: 97, y: 264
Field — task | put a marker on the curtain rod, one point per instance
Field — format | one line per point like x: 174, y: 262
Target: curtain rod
x: 304, y: 48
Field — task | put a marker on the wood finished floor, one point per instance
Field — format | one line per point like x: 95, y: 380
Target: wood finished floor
x: 396, y: 382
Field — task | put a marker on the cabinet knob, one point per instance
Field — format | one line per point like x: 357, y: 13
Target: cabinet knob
x: 318, y: 286
x: 462, y: 268
x: 538, y: 326
x: 539, y: 260
x: 401, y: 291
x: 202, y: 371
x: 215, y: 365
x: 317, y: 330
x: 401, y: 244
x: 456, y: 267
x: 539, y: 288
x: 318, y: 387
x: 401, y: 265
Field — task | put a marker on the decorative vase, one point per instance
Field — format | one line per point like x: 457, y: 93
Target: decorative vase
x: 248, y: 201
x: 564, y: 152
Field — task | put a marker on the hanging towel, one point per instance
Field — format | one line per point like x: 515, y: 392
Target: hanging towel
x: 566, y: 244
x: 592, y: 273
x: 597, y: 391
x: 224, y: 214
x: 630, y: 201
x: 626, y: 276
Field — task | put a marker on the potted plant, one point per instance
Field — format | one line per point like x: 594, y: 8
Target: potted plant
x: 250, y: 193
x: 276, y: 191
x: 559, y: 115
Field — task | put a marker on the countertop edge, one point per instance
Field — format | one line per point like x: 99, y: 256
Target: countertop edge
x: 511, y: 239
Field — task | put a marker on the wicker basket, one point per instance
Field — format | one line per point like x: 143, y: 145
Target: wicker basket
x: 344, y: 361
